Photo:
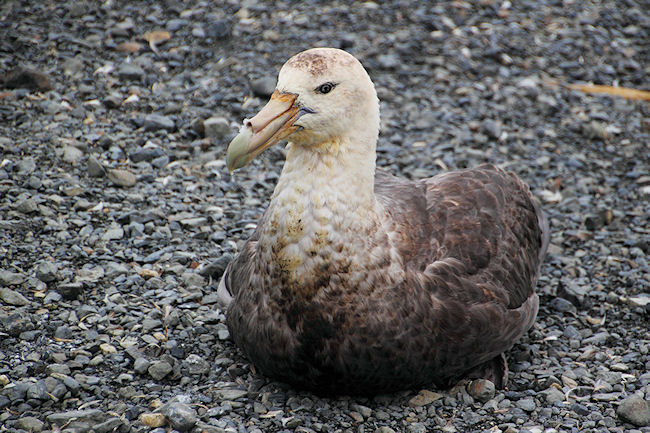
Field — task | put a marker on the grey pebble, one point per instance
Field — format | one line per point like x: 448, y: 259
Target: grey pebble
x: 195, y: 365
x: 30, y: 424
x: 159, y: 369
x: 131, y: 72
x: 216, y: 127
x: 141, y: 365
x: 635, y: 410
x: 72, y: 154
x: 526, y: 404
x: 95, y: 168
x: 27, y: 206
x: 47, y: 272
x: 9, y: 278
x: 121, y: 177
x: 155, y: 122
x: 263, y: 87
x: 11, y: 297
x: 181, y: 416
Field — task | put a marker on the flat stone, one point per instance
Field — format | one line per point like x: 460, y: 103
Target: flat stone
x: 155, y: 122
x: 130, y: 71
x: 72, y: 155
x: 526, y: 404
x: 263, y: 87
x: 113, y: 233
x: 141, y: 365
x: 47, y: 272
x: 27, y: 206
x: 424, y: 398
x: 152, y: 419
x: 159, y: 369
x: 95, y: 168
x: 641, y: 300
x: 216, y: 127
x: 181, y: 416
x: 87, y: 415
x: 553, y: 395
x: 11, y: 297
x: 120, y: 177
x: 195, y: 365
x: 231, y: 394
x: 8, y: 278
x: 30, y: 424
x: 634, y: 410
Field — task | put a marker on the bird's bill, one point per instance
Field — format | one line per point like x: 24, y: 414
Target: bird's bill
x: 273, y: 123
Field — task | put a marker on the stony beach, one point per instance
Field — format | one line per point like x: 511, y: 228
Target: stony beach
x: 117, y: 215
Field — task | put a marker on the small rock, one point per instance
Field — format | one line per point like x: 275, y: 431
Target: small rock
x: 8, y: 278
x: 30, y: 424
x: 417, y: 427
x: 181, y: 416
x: 152, y: 419
x: 424, y: 398
x: 195, y: 365
x: 37, y: 391
x: 641, y: 300
x: 155, y: 122
x: 492, y: 129
x: 129, y: 71
x: 526, y: 404
x: 218, y: 29
x: 216, y: 127
x: 562, y: 305
x: 141, y: 365
x: 27, y: 206
x: 263, y: 87
x: 72, y: 155
x: 481, y: 390
x: 26, y: 166
x: 110, y: 425
x: 635, y: 410
x: 159, y: 369
x: 554, y: 395
x: 121, y: 177
x: 231, y: 394
x: 47, y: 272
x: 77, y: 417
x: 70, y: 290
x: 107, y: 348
x: 384, y: 429
x: 11, y: 297
x: 95, y: 168
x: 113, y: 233
x: 23, y: 78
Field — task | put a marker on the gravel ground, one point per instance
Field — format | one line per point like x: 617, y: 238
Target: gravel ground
x: 117, y: 215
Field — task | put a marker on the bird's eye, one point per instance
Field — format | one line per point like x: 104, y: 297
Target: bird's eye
x: 325, y: 88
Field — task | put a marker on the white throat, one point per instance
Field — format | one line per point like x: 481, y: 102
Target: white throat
x: 323, y: 213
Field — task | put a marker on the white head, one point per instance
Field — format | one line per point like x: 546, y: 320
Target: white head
x: 324, y: 97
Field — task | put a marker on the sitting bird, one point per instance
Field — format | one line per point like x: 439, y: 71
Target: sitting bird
x: 358, y: 282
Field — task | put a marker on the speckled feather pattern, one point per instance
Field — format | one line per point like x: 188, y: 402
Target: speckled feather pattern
x: 438, y: 281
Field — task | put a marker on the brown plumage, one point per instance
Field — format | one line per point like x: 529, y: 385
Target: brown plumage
x: 360, y: 282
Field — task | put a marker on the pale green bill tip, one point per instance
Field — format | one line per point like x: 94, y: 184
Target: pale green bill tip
x: 238, y: 150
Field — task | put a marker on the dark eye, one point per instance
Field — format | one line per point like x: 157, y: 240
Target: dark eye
x: 325, y: 88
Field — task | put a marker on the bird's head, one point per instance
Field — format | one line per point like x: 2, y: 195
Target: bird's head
x: 321, y: 96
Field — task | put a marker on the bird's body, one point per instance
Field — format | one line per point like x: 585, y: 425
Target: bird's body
x: 358, y: 282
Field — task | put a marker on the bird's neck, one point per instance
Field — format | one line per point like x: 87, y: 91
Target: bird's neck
x: 323, y: 220
x: 336, y: 168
